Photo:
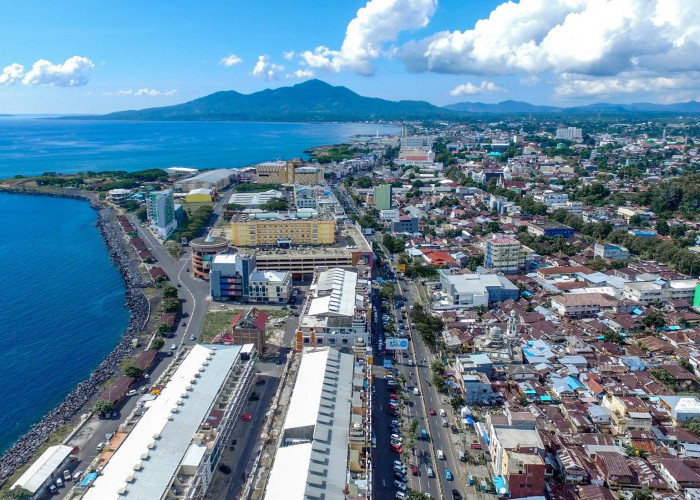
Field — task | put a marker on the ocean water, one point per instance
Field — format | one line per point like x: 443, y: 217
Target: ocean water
x: 62, y: 305
x: 35, y: 146
x: 62, y: 299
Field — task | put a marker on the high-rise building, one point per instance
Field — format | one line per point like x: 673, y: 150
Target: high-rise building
x: 236, y: 277
x: 506, y: 255
x: 382, y: 197
x: 161, y: 212
x: 569, y: 133
x: 283, y: 229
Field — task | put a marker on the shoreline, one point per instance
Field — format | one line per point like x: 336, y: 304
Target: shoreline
x: 74, y: 403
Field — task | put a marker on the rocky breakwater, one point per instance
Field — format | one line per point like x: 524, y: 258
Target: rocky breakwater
x: 76, y: 401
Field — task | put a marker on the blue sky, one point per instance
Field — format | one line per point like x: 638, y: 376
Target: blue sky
x: 77, y: 57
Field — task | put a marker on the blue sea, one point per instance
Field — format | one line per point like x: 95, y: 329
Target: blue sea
x: 63, y: 300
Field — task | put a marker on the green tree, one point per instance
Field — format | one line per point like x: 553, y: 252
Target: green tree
x: 439, y: 383
x: 142, y: 214
x: 687, y: 365
x: 102, y: 406
x: 170, y: 306
x: 654, y: 319
x: 169, y: 292
x: 522, y: 399
x: 157, y: 343
x: 364, y: 182
x: 643, y: 494
x: 457, y: 403
x: 417, y: 495
x: 275, y: 205
x: 163, y: 328
x: 129, y: 369
x: 610, y: 335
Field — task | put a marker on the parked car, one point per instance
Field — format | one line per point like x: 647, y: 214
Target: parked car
x: 77, y: 475
x: 414, y: 470
x: 59, y: 482
x: 397, y: 448
x: 225, y: 468
x: 400, y: 495
x: 53, y: 489
x: 399, y: 485
x: 456, y: 495
x: 66, y: 475
x: 448, y: 475
x: 173, y: 346
x: 99, y: 446
x: 132, y: 392
x: 260, y: 382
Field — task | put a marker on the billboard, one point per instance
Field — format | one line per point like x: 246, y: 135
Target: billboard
x: 396, y: 344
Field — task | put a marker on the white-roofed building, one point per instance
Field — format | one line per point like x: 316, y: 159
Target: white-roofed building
x: 324, y: 448
x: 44, y: 470
x: 235, y: 276
x: 213, y: 179
x: 254, y: 200
x: 175, y: 445
x: 335, y: 310
x: 682, y: 408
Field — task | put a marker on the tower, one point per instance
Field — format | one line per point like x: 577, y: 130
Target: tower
x: 512, y: 333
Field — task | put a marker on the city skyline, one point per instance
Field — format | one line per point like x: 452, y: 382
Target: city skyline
x: 556, y: 52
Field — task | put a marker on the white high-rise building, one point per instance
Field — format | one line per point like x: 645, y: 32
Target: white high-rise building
x: 569, y: 133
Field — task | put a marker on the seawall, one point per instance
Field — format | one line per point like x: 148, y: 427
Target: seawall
x: 74, y: 403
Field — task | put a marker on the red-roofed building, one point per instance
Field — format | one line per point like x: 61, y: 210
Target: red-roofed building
x: 246, y: 327
x: 438, y: 257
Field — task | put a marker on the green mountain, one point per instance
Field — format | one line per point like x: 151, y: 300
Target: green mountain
x: 311, y: 101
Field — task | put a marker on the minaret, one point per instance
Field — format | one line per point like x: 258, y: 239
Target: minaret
x: 512, y: 333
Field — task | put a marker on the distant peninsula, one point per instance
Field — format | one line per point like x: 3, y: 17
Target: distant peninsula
x: 318, y: 101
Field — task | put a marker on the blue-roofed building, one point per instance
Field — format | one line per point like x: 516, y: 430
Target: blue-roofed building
x: 633, y: 363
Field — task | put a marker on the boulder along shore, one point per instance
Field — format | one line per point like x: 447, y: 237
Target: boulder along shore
x: 74, y: 403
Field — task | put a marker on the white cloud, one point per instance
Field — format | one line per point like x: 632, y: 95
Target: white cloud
x: 11, y: 74
x: 231, y: 60
x: 71, y: 73
x: 378, y: 22
x: 266, y: 69
x: 470, y: 89
x: 529, y: 81
x: 288, y: 55
x: 592, y: 37
x: 301, y: 74
x: 573, y: 85
x: 142, y: 92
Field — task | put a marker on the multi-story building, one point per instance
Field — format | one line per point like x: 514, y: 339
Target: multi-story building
x: 507, y: 255
x: 203, y: 251
x: 382, y: 197
x: 324, y: 448
x: 610, y: 251
x: 289, y: 172
x: 551, y: 198
x: 569, y: 133
x: 119, y: 196
x: 173, y: 449
x: 524, y: 473
x: 646, y: 292
x: 335, y: 310
x: 389, y: 215
x: 476, y: 388
x: 235, y: 277
x: 161, y: 212
x: 303, y: 227
x: 467, y: 291
x: 550, y: 229
x: 405, y: 224
x: 573, y: 207
x: 417, y: 142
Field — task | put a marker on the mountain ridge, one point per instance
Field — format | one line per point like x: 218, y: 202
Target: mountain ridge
x: 318, y: 101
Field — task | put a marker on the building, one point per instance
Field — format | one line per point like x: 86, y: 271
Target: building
x: 247, y: 327
x: 524, y: 474
x: 324, y: 447
x: 389, y: 214
x: 382, y: 197
x: 476, y: 388
x: 505, y: 437
x: 288, y: 172
x: 507, y: 255
x: 200, y: 195
x: 582, y: 304
x: 303, y: 227
x: 172, y: 443
x: 212, y: 179
x: 467, y: 291
x: 161, y: 213
x: 610, y: 252
x: 44, y: 471
x: 573, y: 207
x: 119, y: 196
x: 417, y: 142
x: 550, y: 229
x: 254, y: 200
x: 235, y: 277
x: 569, y: 134
x: 660, y: 290
x: 551, y: 198
x: 203, y: 251
x: 405, y: 224
x: 305, y: 197
x: 335, y: 312
x: 681, y: 408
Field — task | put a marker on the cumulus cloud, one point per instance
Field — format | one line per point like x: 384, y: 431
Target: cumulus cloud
x: 602, y: 37
x: 11, y: 74
x: 289, y: 55
x: 470, y: 89
x: 142, y: 92
x: 301, y: 74
x: 375, y: 24
x: 529, y: 81
x: 266, y: 69
x: 71, y: 73
x: 231, y: 60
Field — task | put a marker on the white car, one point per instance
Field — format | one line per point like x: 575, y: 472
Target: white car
x: 173, y: 346
x: 132, y: 392
x: 401, y: 486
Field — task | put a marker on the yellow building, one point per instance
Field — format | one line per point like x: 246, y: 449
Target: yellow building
x: 303, y: 227
x: 201, y: 195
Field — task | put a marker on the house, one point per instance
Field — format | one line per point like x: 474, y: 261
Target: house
x: 678, y: 474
